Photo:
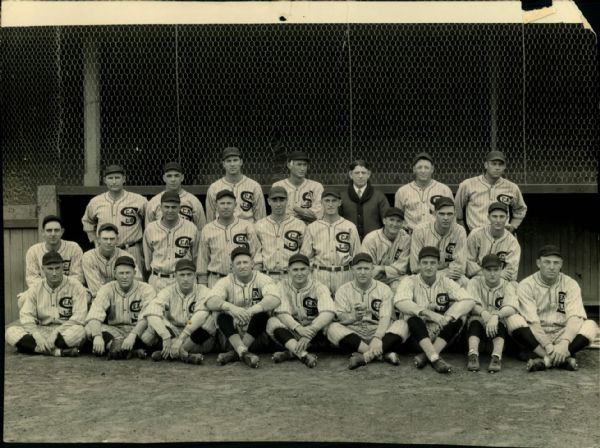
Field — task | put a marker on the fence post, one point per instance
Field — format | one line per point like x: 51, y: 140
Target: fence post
x: 91, y: 113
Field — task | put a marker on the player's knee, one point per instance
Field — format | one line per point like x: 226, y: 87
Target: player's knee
x: 199, y: 336
x: 258, y: 324
x: 225, y: 324
x: 399, y: 328
x: 14, y: 334
x: 502, y: 331
x: 589, y: 329
x: 149, y: 337
x: 524, y: 337
x: 515, y: 322
x: 350, y: 343
x: 272, y: 324
x: 335, y: 331
x: 451, y: 330
x: 476, y: 329
x: 417, y: 328
x: 282, y: 335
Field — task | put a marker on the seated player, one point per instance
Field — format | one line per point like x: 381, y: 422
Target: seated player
x: 178, y: 312
x: 552, y: 321
x: 487, y: 319
x: 390, y: 248
x: 494, y: 239
x: 120, y: 302
x: 244, y: 300
x: 434, y: 307
x: 52, y: 315
x: 364, y: 312
x: 305, y: 311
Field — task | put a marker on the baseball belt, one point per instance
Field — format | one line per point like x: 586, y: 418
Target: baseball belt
x: 284, y: 271
x: 333, y: 268
x: 217, y: 274
x: 161, y: 275
x: 128, y: 245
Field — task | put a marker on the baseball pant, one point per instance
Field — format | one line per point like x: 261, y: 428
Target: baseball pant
x: 73, y: 335
x: 333, y: 280
x: 319, y: 341
x: 159, y: 283
x: 419, y: 329
x: 256, y: 328
x: 336, y: 331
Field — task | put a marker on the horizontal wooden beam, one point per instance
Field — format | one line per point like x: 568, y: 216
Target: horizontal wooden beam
x: 20, y: 223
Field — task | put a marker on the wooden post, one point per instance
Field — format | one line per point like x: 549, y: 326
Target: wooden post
x: 47, y: 203
x: 91, y: 114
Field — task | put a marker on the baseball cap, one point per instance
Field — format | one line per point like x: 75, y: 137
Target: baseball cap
x: 240, y: 250
x: 429, y: 251
x: 277, y: 192
x: 298, y: 155
x: 51, y: 218
x: 331, y: 192
x: 394, y: 211
x: 170, y: 196
x: 185, y: 265
x: 230, y: 152
x: 497, y: 206
x: 125, y: 260
x: 51, y: 257
x: 361, y: 256
x: 108, y: 226
x: 225, y: 193
x: 173, y: 166
x: 491, y: 260
x: 443, y: 202
x: 495, y: 155
x: 299, y: 258
x: 549, y: 250
x: 422, y: 156
x: 110, y: 169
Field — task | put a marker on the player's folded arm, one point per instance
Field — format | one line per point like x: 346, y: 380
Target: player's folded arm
x: 323, y: 319
x: 158, y: 325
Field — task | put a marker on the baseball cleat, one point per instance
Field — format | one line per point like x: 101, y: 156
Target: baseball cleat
x: 138, y: 353
x: 226, y: 357
x: 156, y: 356
x: 309, y: 360
x: 420, y: 361
x: 495, y: 364
x: 473, y: 363
x: 441, y: 366
x: 69, y: 352
x: 392, y: 358
x: 192, y: 358
x: 282, y: 356
x: 356, y: 360
x: 250, y: 359
x: 535, y: 364
x: 570, y: 364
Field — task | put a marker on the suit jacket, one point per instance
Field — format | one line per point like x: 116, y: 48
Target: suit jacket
x: 365, y: 212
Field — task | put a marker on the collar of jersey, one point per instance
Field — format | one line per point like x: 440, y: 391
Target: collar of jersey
x: 425, y: 285
x: 221, y: 226
x: 239, y: 283
x: 369, y: 289
x: 181, y: 294
x: 59, y: 287
x: 308, y: 285
x: 484, y: 181
x: 488, y: 233
x: 414, y: 185
x: 538, y: 279
x: 122, y: 293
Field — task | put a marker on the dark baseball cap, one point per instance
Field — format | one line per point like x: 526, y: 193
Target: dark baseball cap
x: 422, y: 156
x: 331, y: 192
x: 277, y: 192
x: 394, y: 211
x: 125, y: 260
x: 51, y: 218
x: 429, y: 251
x: 490, y: 261
x: 172, y: 166
x: 185, y: 265
x: 361, y: 256
x: 299, y: 258
x: 170, y: 196
x: 298, y: 155
x: 549, y: 250
x: 225, y: 193
x: 108, y: 226
x: 443, y: 202
x: 231, y: 152
x: 51, y: 257
x: 240, y: 250
x: 497, y: 206
x: 495, y: 155
x: 111, y: 169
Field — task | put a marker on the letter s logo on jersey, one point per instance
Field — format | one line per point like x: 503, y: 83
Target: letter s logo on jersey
x: 343, y: 239
x: 498, y: 302
x: 247, y: 200
x: 129, y: 216
x: 450, y: 251
x: 292, y: 240
x: 562, y: 296
x: 134, y: 309
x: 241, y: 239
x: 66, y: 308
x: 504, y: 198
x: 310, y: 306
x: 183, y: 244
x: 307, y: 199
x: 186, y: 212
x: 375, y: 306
x: 442, y: 302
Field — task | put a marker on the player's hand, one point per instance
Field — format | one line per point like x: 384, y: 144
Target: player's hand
x: 46, y: 344
x: 176, y: 348
x: 302, y: 345
x: 439, y: 319
x: 491, y: 328
x: 305, y: 214
x: 98, y: 345
x: 305, y: 332
x: 376, y: 347
x: 561, y: 353
x: 128, y: 342
x: 166, y: 350
x: 240, y: 314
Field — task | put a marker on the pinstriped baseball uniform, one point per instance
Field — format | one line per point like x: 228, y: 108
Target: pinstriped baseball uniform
x: 492, y: 299
x: 304, y: 304
x: 394, y: 255
x: 163, y: 246
x: 480, y: 243
x: 122, y: 308
x: 99, y: 270
x: 250, y: 201
x: 476, y: 195
x: 307, y: 195
x: 418, y: 203
x: 279, y: 241
x: 452, y: 246
x: 70, y: 252
x: 437, y: 297
x: 191, y: 209
x: 245, y: 295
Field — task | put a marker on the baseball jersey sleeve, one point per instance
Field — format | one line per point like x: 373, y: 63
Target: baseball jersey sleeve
x: 473, y: 267
x: 28, y: 312
x: 343, y: 305
x: 284, y: 306
x: 474, y: 292
x: 198, y: 216
x: 461, y: 201
x: 513, y: 259
x: 93, y: 279
x: 203, y: 253
x: 260, y: 208
x: 574, y: 302
x: 147, y: 249
x: 90, y: 218
x: 151, y: 209
x: 254, y: 243
x: 387, y: 303
x: 416, y: 244
x: 307, y: 242
x: 33, y: 274
x: 211, y: 204
x: 324, y: 301
x: 156, y: 307
x: 220, y: 289
x: 354, y: 240
x: 527, y: 304
x: 460, y: 251
x: 79, y: 304
x: 456, y: 291
x: 510, y: 296
x: 317, y: 207
x: 404, y: 292
x: 399, y: 266
x: 519, y: 208
x: 100, y: 305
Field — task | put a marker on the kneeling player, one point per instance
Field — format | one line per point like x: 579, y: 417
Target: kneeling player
x: 426, y: 299
x: 364, y: 310
x: 52, y: 313
x: 178, y: 312
x: 306, y: 309
x: 244, y: 299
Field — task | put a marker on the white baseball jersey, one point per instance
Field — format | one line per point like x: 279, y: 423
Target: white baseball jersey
x: 98, y: 270
x: 218, y: 241
x: 437, y: 297
x: 393, y: 255
x: 191, y: 209
x: 127, y: 213
x: 551, y: 306
x: 377, y: 300
x: 70, y: 252
x: 279, y: 241
x: 480, y: 243
x: 164, y: 246
x: 245, y: 295
x: 250, y: 201
x: 330, y: 245
x: 175, y: 306
x: 45, y: 306
x: 492, y: 299
x: 476, y: 194
x: 122, y: 308
x: 452, y: 246
x: 418, y: 203
x: 306, y: 303
x: 307, y: 196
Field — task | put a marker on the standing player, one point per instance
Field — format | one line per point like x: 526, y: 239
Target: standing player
x: 280, y: 235
x: 247, y: 192
x: 448, y: 237
x: 552, y: 320
x: 304, y: 195
x: 475, y: 195
x: 244, y: 300
x: 487, y: 319
x: 330, y: 243
x: 191, y: 207
x: 434, y: 308
x: 390, y: 249
x: 417, y: 199
x: 168, y: 240
x: 52, y: 313
x: 364, y: 311
x: 305, y: 311
x: 120, y: 207
x: 220, y: 237
x: 69, y: 251
x: 494, y: 239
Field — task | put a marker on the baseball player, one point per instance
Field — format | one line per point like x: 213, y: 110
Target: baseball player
x: 551, y: 319
x: 474, y: 195
x: 250, y: 202
x: 70, y: 252
x: 191, y: 207
x: 487, y: 319
x: 417, y: 199
x: 220, y: 237
x: 304, y: 195
x: 305, y: 311
x: 167, y: 241
x: 434, y: 307
x: 280, y: 235
x: 120, y: 207
x: 178, y: 311
x: 390, y: 249
x: 52, y: 314
x: 244, y: 300
x: 448, y: 237
x: 99, y: 263
x: 119, y: 302
x: 364, y: 312
x: 494, y: 239
x: 330, y: 243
